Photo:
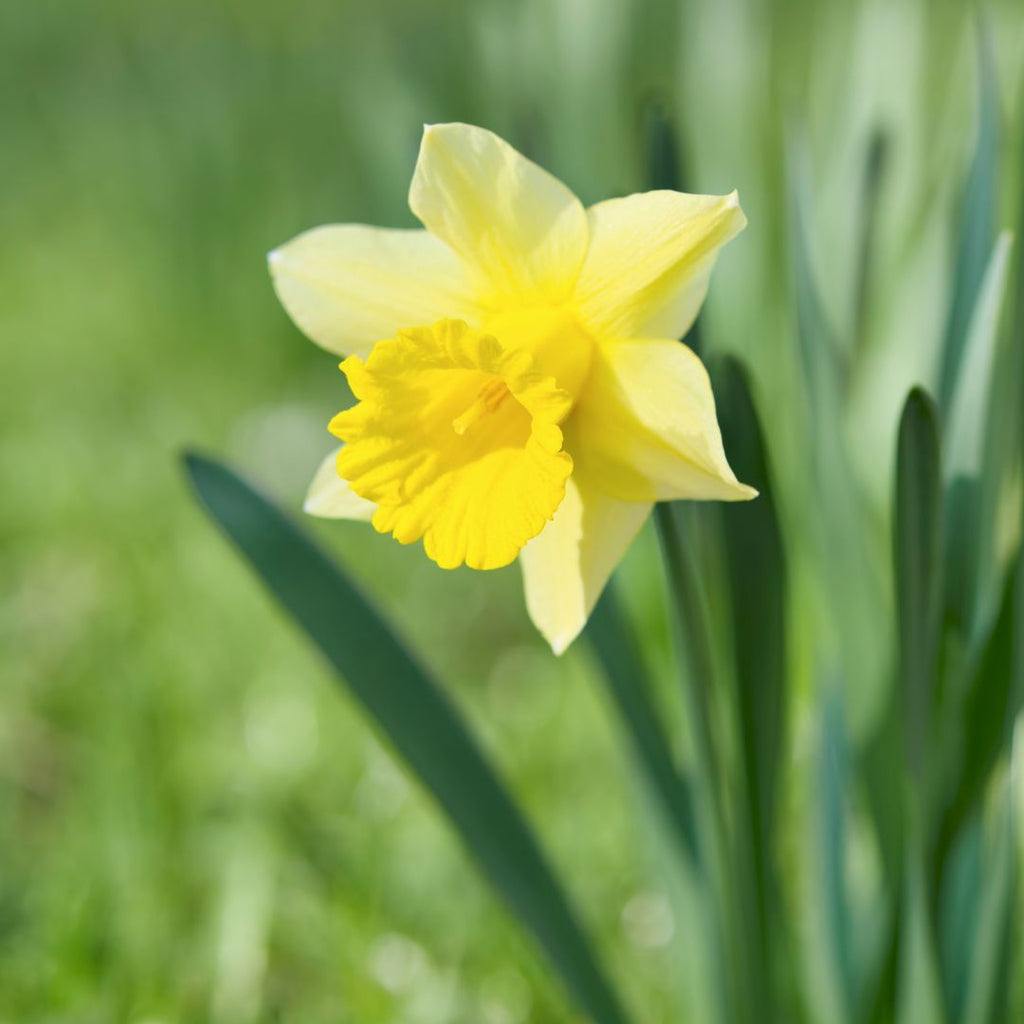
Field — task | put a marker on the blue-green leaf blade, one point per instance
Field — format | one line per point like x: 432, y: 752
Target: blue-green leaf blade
x: 977, y: 221
x: 755, y: 564
x: 625, y: 675
x: 414, y: 713
x: 917, y: 549
x: 994, y: 934
x: 920, y: 999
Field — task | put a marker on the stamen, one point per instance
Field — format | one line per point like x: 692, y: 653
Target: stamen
x: 488, y: 399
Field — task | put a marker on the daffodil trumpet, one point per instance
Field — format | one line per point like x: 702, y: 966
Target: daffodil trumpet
x: 521, y: 392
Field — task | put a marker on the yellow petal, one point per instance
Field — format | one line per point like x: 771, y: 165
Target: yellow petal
x: 523, y: 230
x: 456, y: 440
x: 347, y: 286
x: 649, y: 261
x: 567, y: 566
x: 331, y: 497
x: 645, y: 426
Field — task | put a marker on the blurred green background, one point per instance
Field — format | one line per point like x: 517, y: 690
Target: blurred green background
x: 193, y: 824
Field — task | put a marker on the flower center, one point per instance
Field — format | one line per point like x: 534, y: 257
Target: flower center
x: 456, y: 439
x: 488, y: 400
x: 561, y: 348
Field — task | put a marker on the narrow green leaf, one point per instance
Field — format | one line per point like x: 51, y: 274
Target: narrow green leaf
x: 825, y: 363
x: 664, y: 170
x: 625, y: 674
x: 977, y: 222
x: 920, y: 998
x: 881, y: 760
x: 881, y: 763
x: 966, y: 549
x: 688, y: 618
x: 985, y: 1003
x: 995, y: 697
x: 755, y: 567
x: 833, y: 775
x: 917, y: 549
x: 875, y: 166
x: 833, y: 511
x: 414, y: 714
x: 965, y: 433
x: 960, y: 897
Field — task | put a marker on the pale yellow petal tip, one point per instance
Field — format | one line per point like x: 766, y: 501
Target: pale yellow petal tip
x: 737, y: 491
x: 732, y: 202
x: 434, y: 133
x: 442, y: 127
x: 451, y: 134
x: 561, y: 639
x: 339, y: 502
x: 560, y: 633
x: 311, y: 506
x: 330, y: 497
x: 560, y: 644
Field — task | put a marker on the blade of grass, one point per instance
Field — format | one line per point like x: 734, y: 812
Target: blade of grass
x: 415, y: 715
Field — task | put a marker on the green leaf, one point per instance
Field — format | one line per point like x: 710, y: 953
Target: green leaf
x: 917, y: 550
x: 958, y: 914
x: 966, y: 423
x: 415, y: 715
x: 626, y: 675
x: 875, y: 166
x: 825, y: 362
x: 688, y: 617
x: 995, y: 697
x: 833, y: 776
x: 968, y: 550
x: 977, y: 223
x: 833, y: 512
x: 920, y: 996
x: 993, y: 935
x: 755, y: 567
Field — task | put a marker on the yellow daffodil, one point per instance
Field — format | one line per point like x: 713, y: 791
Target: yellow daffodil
x: 520, y: 388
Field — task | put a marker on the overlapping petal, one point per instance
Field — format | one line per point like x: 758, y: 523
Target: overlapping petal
x: 330, y: 497
x: 348, y: 286
x: 523, y: 230
x: 566, y: 567
x: 649, y: 261
x: 645, y: 426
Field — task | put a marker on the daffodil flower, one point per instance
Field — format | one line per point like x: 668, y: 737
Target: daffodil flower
x: 521, y: 392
